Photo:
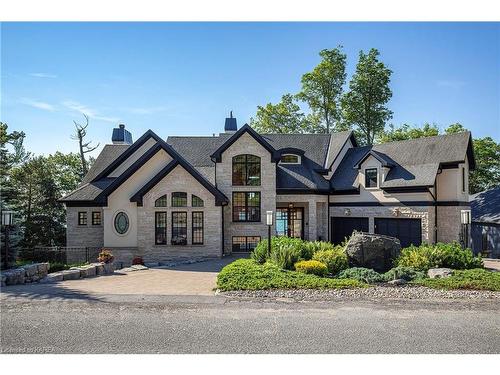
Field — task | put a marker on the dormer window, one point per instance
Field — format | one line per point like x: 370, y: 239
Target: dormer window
x: 290, y: 159
x: 371, y: 178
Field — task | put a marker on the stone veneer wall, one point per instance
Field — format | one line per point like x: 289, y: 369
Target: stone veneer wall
x: 449, y: 224
x: 178, y: 180
x: 246, y: 144
x: 426, y: 214
x: 83, y: 235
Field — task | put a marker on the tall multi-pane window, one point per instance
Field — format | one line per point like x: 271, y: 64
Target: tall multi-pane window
x: 96, y: 218
x: 246, y: 206
x: 371, y: 178
x: 162, y: 201
x: 179, y: 199
x: 197, y: 228
x: 246, y: 170
x: 196, y: 201
x: 82, y: 218
x: 160, y: 228
x: 179, y: 228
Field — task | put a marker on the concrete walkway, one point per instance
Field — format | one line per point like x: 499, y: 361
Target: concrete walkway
x: 197, y: 279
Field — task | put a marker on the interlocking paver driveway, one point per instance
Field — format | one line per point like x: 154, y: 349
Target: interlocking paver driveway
x: 183, y: 280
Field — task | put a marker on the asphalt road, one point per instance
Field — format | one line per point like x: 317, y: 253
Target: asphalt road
x: 202, y: 324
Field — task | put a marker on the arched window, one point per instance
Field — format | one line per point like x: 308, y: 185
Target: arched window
x: 246, y: 170
x: 179, y: 199
x: 196, y: 201
x: 162, y: 201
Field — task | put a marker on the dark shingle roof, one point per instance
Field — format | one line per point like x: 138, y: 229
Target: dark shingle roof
x: 108, y: 154
x: 88, y: 191
x: 485, y: 206
x: 416, y: 160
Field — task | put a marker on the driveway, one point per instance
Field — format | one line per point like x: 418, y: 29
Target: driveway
x: 197, y: 279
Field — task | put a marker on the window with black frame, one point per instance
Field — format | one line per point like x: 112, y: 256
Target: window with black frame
x: 96, y: 218
x: 179, y: 228
x: 162, y: 201
x: 197, y: 228
x: 82, y: 218
x: 371, y: 178
x: 179, y: 199
x: 196, y: 201
x: 246, y: 170
x: 246, y: 206
x: 244, y: 243
x: 160, y: 228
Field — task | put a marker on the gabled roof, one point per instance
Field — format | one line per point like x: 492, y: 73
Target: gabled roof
x: 102, y: 186
x: 384, y: 160
x: 416, y: 161
x: 108, y: 154
x: 485, y: 206
x: 217, y: 155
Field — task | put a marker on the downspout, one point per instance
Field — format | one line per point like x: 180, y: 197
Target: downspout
x: 434, y: 196
x: 328, y: 213
x: 222, y: 221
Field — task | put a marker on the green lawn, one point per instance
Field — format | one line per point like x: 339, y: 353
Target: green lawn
x: 467, y: 279
x: 246, y: 274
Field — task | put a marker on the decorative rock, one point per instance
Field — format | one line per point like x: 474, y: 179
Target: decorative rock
x: 15, y: 276
x: 87, y: 271
x: 52, y: 277
x: 31, y: 269
x: 437, y: 273
x: 99, y: 268
x: 151, y: 264
x: 43, y: 268
x: 397, y: 282
x: 71, y: 274
x: 108, y: 268
x: 372, y: 251
x: 139, y: 267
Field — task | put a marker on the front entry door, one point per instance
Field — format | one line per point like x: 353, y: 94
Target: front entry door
x: 290, y: 222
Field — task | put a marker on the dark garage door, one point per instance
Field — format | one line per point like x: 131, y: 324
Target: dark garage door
x: 409, y: 231
x: 342, y: 227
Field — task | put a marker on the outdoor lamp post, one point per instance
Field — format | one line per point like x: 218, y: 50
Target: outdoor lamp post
x: 269, y: 222
x: 7, y: 220
x: 465, y: 219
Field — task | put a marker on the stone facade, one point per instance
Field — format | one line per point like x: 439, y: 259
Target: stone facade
x: 179, y: 180
x: 83, y: 235
x: 246, y: 144
x: 449, y: 224
x: 424, y: 213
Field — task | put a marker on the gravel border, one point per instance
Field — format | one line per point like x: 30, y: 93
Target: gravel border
x: 375, y: 293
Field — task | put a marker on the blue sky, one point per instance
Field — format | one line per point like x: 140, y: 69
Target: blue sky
x: 183, y: 78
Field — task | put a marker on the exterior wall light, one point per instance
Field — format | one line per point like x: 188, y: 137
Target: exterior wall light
x: 347, y: 212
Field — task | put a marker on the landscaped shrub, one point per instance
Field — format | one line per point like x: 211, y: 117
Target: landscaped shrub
x: 280, y: 245
x: 365, y: 275
x: 313, y: 267
x: 56, y: 266
x: 450, y: 255
x: 405, y: 273
x: 137, y: 260
x: 105, y: 256
x: 285, y: 256
x: 335, y: 259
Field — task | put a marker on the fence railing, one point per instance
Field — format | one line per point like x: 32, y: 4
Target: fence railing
x: 60, y: 254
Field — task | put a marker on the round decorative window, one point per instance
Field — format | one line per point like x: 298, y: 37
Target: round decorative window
x: 121, y: 223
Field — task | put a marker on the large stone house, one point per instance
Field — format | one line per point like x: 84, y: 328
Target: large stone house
x: 189, y: 197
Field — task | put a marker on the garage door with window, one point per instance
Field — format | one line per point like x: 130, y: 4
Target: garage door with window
x: 342, y: 227
x: 408, y: 231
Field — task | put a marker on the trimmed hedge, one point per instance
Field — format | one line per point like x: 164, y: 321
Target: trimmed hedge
x: 427, y: 256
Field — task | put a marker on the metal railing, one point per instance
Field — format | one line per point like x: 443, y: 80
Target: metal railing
x: 60, y: 254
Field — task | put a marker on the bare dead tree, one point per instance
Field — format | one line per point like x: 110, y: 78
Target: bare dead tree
x: 85, y: 147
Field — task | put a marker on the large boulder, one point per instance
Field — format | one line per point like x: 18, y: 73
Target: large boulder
x: 439, y: 273
x: 372, y: 251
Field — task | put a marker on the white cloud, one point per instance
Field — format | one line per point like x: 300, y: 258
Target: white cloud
x: 145, y: 110
x: 91, y: 112
x: 452, y: 84
x: 38, y: 104
x: 43, y: 75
